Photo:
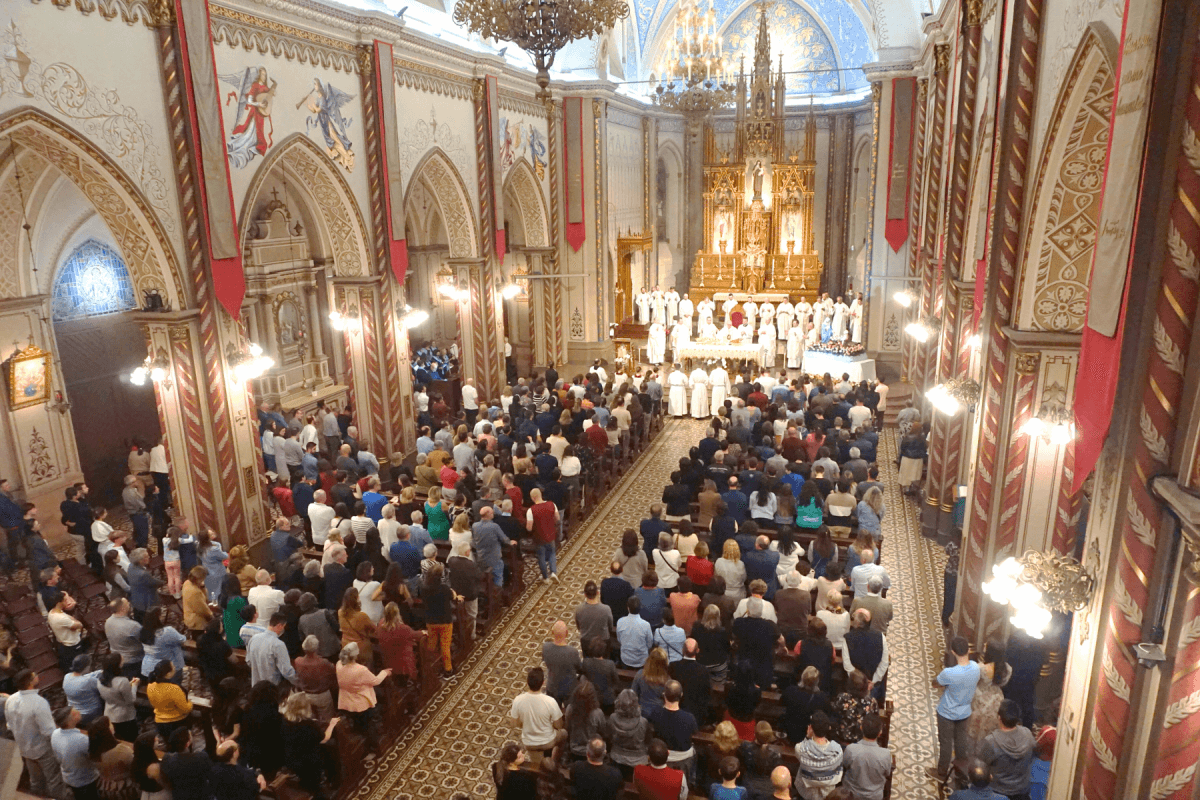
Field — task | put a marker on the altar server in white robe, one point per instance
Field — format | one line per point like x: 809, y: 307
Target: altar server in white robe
x: 672, y: 299
x: 708, y: 331
x: 750, y: 312
x: 841, y: 319
x: 638, y: 379
x: 658, y: 307
x: 767, y: 345
x: 728, y: 306
x: 819, y: 314
x: 718, y: 381
x: 767, y: 312
x: 686, y: 310
x: 813, y: 337
x: 656, y: 343
x: 677, y: 388
x: 643, y: 307
x: 795, y: 346
x: 705, y: 309
x: 856, y: 314
x: 681, y: 334
x: 784, y: 317
x: 699, y: 383
x: 803, y: 315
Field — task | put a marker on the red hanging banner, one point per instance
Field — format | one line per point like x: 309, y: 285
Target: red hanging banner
x: 904, y: 97
x: 573, y: 170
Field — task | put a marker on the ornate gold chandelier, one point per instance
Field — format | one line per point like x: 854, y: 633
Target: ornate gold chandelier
x: 540, y: 27
x: 694, y: 74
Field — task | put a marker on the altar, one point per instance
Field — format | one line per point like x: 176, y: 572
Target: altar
x: 712, y: 351
x: 859, y: 368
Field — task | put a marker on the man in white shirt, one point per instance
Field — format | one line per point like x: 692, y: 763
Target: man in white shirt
x: 264, y: 597
x: 861, y: 575
x: 320, y: 515
x: 470, y: 399
x: 858, y: 414
x: 538, y: 715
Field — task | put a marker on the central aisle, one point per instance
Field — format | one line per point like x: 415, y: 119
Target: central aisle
x: 452, y: 743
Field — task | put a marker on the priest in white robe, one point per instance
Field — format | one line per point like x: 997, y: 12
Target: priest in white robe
x: 841, y: 319
x: 728, y: 306
x: 643, y: 307
x: 656, y: 343
x: 803, y: 316
x: 856, y: 315
x: 718, y: 381
x: 783, y: 318
x: 681, y: 334
x: 658, y: 307
x: 686, y: 310
x: 767, y: 345
x: 795, y: 346
x: 708, y: 331
x: 767, y: 312
x: 706, y: 308
x: 728, y: 332
x: 677, y: 389
x: 813, y: 337
x: 750, y: 312
x: 819, y: 313
x: 672, y: 298
x: 699, y: 384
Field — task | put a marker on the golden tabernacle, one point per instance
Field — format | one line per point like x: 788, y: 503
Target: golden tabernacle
x: 758, y: 199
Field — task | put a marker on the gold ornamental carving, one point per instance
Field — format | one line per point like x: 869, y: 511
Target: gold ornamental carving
x: 974, y: 13
x: 941, y: 58
x: 366, y: 60
x: 922, y: 89
x: 179, y: 333
x: 1028, y: 363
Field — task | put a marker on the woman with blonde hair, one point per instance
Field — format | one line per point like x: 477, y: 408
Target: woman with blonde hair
x: 460, y: 532
x: 437, y: 515
x: 356, y: 625
x: 651, y: 681
x: 396, y: 642
x: 333, y: 539
x: 686, y: 539
x: 730, y: 567
x: 870, y: 513
x: 302, y: 740
x: 406, y: 503
x: 726, y: 744
x: 196, y: 612
x: 356, y: 693
x: 836, y: 620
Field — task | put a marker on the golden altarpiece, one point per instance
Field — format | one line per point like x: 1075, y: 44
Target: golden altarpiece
x: 758, y: 198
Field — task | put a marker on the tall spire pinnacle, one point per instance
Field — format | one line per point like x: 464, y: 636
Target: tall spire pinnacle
x: 762, y: 44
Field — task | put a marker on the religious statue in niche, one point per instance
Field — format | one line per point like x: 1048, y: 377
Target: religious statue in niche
x: 289, y: 322
x: 537, y: 152
x: 758, y: 177
x: 326, y: 101
x: 252, y: 127
x: 758, y: 180
x: 660, y: 200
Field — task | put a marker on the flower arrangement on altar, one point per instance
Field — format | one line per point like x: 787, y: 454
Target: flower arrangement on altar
x: 838, y: 348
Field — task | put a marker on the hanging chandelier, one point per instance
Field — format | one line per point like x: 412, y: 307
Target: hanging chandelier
x: 540, y: 27
x: 694, y: 72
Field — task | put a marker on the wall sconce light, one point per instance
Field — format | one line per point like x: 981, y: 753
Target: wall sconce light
x: 954, y: 395
x: 349, y: 320
x: 248, y: 363
x: 156, y: 367
x: 904, y: 297
x: 411, y: 317
x: 447, y: 285
x: 975, y: 341
x: 923, y: 329
x: 1038, y: 584
x: 1053, y: 423
x: 510, y: 290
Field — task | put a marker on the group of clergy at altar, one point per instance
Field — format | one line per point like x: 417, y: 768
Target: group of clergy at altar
x: 799, y: 326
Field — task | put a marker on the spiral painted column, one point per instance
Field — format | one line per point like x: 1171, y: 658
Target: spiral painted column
x: 917, y: 192
x: 997, y: 484
x: 1174, y: 321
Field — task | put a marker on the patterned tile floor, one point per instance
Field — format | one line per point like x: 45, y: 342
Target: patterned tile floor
x: 456, y: 737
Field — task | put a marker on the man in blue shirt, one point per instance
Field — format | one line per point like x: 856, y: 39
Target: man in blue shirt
x: 28, y: 717
x: 283, y: 544
x: 793, y: 479
x: 954, y: 709
x: 425, y: 443
x: 488, y: 541
x: 309, y: 464
x: 12, y: 524
x: 736, y: 503
x: 634, y: 636
x: 408, y: 555
x: 373, y: 500
x: 302, y: 495
x: 651, y: 528
x: 71, y: 749
x: 82, y: 690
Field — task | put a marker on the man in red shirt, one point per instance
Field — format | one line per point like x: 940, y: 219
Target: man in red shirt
x: 513, y: 492
x: 757, y: 398
x: 657, y: 780
x: 542, y: 521
x: 597, y: 439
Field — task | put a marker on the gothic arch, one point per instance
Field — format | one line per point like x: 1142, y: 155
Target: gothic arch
x: 343, y: 233
x: 439, y: 177
x: 138, y: 233
x: 1062, y: 230
x: 522, y: 185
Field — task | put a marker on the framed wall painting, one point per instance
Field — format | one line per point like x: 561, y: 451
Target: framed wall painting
x: 28, y: 373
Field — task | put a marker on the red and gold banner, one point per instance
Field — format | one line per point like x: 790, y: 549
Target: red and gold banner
x: 393, y: 188
x: 208, y: 142
x: 576, y: 230
x: 904, y: 98
x: 496, y: 141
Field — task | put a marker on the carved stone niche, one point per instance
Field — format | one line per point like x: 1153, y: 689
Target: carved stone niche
x: 283, y: 307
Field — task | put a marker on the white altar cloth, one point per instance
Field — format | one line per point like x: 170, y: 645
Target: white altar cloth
x: 858, y: 367
x: 718, y: 350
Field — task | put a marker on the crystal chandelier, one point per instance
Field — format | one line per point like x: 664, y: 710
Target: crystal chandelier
x: 540, y: 27
x: 1037, y: 585
x: 694, y: 73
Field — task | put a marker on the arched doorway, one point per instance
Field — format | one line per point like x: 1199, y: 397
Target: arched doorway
x: 532, y: 319
x: 87, y: 222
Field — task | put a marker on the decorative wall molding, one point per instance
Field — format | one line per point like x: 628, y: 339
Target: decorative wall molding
x: 131, y: 12
x: 412, y: 75
x: 522, y: 104
x: 626, y: 119
x: 237, y: 28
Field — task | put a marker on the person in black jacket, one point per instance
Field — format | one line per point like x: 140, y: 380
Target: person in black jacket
x: 338, y: 577
x: 229, y: 780
x: 465, y: 578
x: 695, y: 680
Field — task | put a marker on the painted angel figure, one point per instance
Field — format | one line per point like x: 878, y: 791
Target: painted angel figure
x: 326, y: 101
x: 252, y: 128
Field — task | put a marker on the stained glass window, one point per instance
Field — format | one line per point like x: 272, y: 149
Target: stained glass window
x: 93, y: 281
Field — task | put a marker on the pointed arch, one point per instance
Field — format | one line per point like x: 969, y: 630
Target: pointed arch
x: 523, y: 186
x: 437, y: 173
x: 1061, y: 233
x: 343, y: 231
x: 129, y: 217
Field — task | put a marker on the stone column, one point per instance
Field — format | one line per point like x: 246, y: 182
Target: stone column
x: 908, y: 348
x: 472, y: 350
x: 693, y: 198
x: 487, y: 332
